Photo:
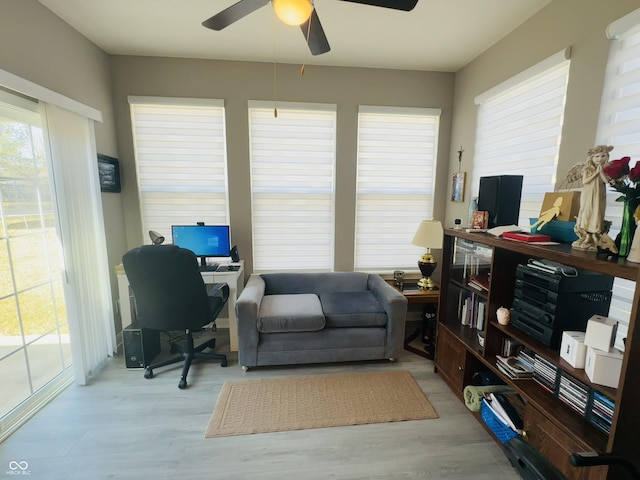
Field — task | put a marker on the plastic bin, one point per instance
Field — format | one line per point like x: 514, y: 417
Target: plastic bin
x: 499, y: 429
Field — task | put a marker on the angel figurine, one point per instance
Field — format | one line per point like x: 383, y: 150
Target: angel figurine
x: 591, y: 227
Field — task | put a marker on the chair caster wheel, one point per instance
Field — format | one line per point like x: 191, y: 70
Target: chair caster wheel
x: 148, y: 373
x: 224, y: 363
x: 182, y: 384
x: 245, y: 368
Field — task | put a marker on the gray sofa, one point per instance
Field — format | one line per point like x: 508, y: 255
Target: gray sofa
x: 291, y: 318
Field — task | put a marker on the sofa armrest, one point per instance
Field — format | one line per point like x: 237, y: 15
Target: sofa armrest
x: 247, y: 310
x: 395, y: 304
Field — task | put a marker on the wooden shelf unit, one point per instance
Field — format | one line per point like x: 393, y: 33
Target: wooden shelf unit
x: 550, y: 425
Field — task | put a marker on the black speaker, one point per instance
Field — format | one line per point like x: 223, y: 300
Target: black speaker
x: 141, y: 345
x: 500, y: 196
x: 235, y: 257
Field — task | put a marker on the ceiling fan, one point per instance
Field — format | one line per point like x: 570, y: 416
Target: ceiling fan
x: 296, y: 12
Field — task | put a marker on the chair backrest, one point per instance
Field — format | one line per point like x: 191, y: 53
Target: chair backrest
x: 169, y: 291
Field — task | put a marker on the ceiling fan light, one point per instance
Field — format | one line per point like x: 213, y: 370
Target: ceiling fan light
x: 293, y: 12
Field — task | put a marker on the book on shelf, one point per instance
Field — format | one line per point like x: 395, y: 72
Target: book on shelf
x: 480, y: 282
x: 471, y: 310
x: 527, y: 236
x: 514, y: 367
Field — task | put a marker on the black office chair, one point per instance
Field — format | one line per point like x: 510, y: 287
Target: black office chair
x: 171, y: 295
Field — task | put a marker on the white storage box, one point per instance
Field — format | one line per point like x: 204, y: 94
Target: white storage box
x: 573, y: 350
x: 603, y: 367
x: 601, y: 332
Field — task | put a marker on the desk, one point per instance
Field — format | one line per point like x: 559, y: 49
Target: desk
x: 235, y: 280
x: 416, y: 296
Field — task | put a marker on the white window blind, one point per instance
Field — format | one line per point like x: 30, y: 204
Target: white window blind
x: 619, y: 126
x: 397, y: 152
x: 292, y: 185
x: 519, y: 129
x: 181, y: 162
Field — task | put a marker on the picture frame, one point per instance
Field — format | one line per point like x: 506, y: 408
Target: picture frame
x: 457, y: 186
x: 109, y: 174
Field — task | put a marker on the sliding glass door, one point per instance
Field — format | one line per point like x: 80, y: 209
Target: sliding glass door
x: 34, y: 339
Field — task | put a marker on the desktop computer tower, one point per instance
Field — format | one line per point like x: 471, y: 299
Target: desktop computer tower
x: 500, y: 195
x: 141, y: 345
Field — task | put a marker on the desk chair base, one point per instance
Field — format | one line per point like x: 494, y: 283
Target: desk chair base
x: 188, y: 354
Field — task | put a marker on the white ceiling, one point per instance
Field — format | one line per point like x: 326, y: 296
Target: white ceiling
x: 438, y: 35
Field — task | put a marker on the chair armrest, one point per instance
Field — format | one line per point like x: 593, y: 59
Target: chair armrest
x: 395, y: 304
x: 247, y: 310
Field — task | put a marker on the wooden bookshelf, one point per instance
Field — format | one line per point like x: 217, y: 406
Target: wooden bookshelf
x: 550, y: 425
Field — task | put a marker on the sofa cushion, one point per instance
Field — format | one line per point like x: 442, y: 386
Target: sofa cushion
x: 352, y: 309
x: 290, y: 313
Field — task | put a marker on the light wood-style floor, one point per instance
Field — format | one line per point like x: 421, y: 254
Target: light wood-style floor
x: 123, y: 427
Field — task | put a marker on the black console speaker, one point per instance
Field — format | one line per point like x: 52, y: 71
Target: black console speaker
x: 500, y: 196
x: 141, y: 345
x: 235, y: 256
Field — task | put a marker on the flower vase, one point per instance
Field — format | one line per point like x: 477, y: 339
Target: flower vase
x: 627, y: 230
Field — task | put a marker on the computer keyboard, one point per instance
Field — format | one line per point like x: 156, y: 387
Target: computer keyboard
x: 209, y: 268
x: 228, y: 268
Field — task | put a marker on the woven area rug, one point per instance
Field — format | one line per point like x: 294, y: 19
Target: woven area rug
x: 297, y: 403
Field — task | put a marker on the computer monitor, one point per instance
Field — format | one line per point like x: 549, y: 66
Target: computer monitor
x: 203, y: 240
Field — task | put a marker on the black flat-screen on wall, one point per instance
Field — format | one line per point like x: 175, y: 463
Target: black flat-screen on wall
x: 203, y: 240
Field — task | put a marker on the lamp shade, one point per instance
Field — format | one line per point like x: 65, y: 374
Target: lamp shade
x: 293, y: 12
x: 429, y: 234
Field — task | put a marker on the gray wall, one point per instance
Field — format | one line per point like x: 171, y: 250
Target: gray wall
x: 238, y: 82
x: 580, y: 24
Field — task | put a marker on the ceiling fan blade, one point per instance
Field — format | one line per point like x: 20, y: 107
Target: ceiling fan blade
x: 317, y: 41
x: 233, y: 13
x: 406, y: 5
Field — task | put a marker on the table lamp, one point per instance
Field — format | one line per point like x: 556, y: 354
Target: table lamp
x: 429, y: 235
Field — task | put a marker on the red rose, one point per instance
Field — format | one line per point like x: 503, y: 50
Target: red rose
x: 634, y: 174
x: 617, y: 168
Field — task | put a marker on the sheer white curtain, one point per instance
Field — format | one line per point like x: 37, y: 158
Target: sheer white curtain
x: 87, y: 287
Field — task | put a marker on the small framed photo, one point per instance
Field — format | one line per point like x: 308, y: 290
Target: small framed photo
x: 457, y: 187
x: 109, y: 173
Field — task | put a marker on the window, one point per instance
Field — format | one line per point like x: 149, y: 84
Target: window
x: 397, y: 151
x: 619, y: 126
x: 292, y: 185
x: 181, y: 161
x: 519, y: 129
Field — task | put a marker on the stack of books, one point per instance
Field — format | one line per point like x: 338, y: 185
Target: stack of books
x: 480, y: 282
x: 514, y: 367
x: 573, y: 393
x: 545, y: 374
x: 602, y: 412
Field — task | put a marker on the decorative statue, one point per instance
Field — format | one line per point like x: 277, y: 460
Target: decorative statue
x: 591, y: 227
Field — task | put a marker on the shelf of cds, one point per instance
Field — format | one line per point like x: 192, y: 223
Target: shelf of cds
x: 480, y: 274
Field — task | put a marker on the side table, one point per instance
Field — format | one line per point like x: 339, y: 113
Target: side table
x: 415, y: 296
